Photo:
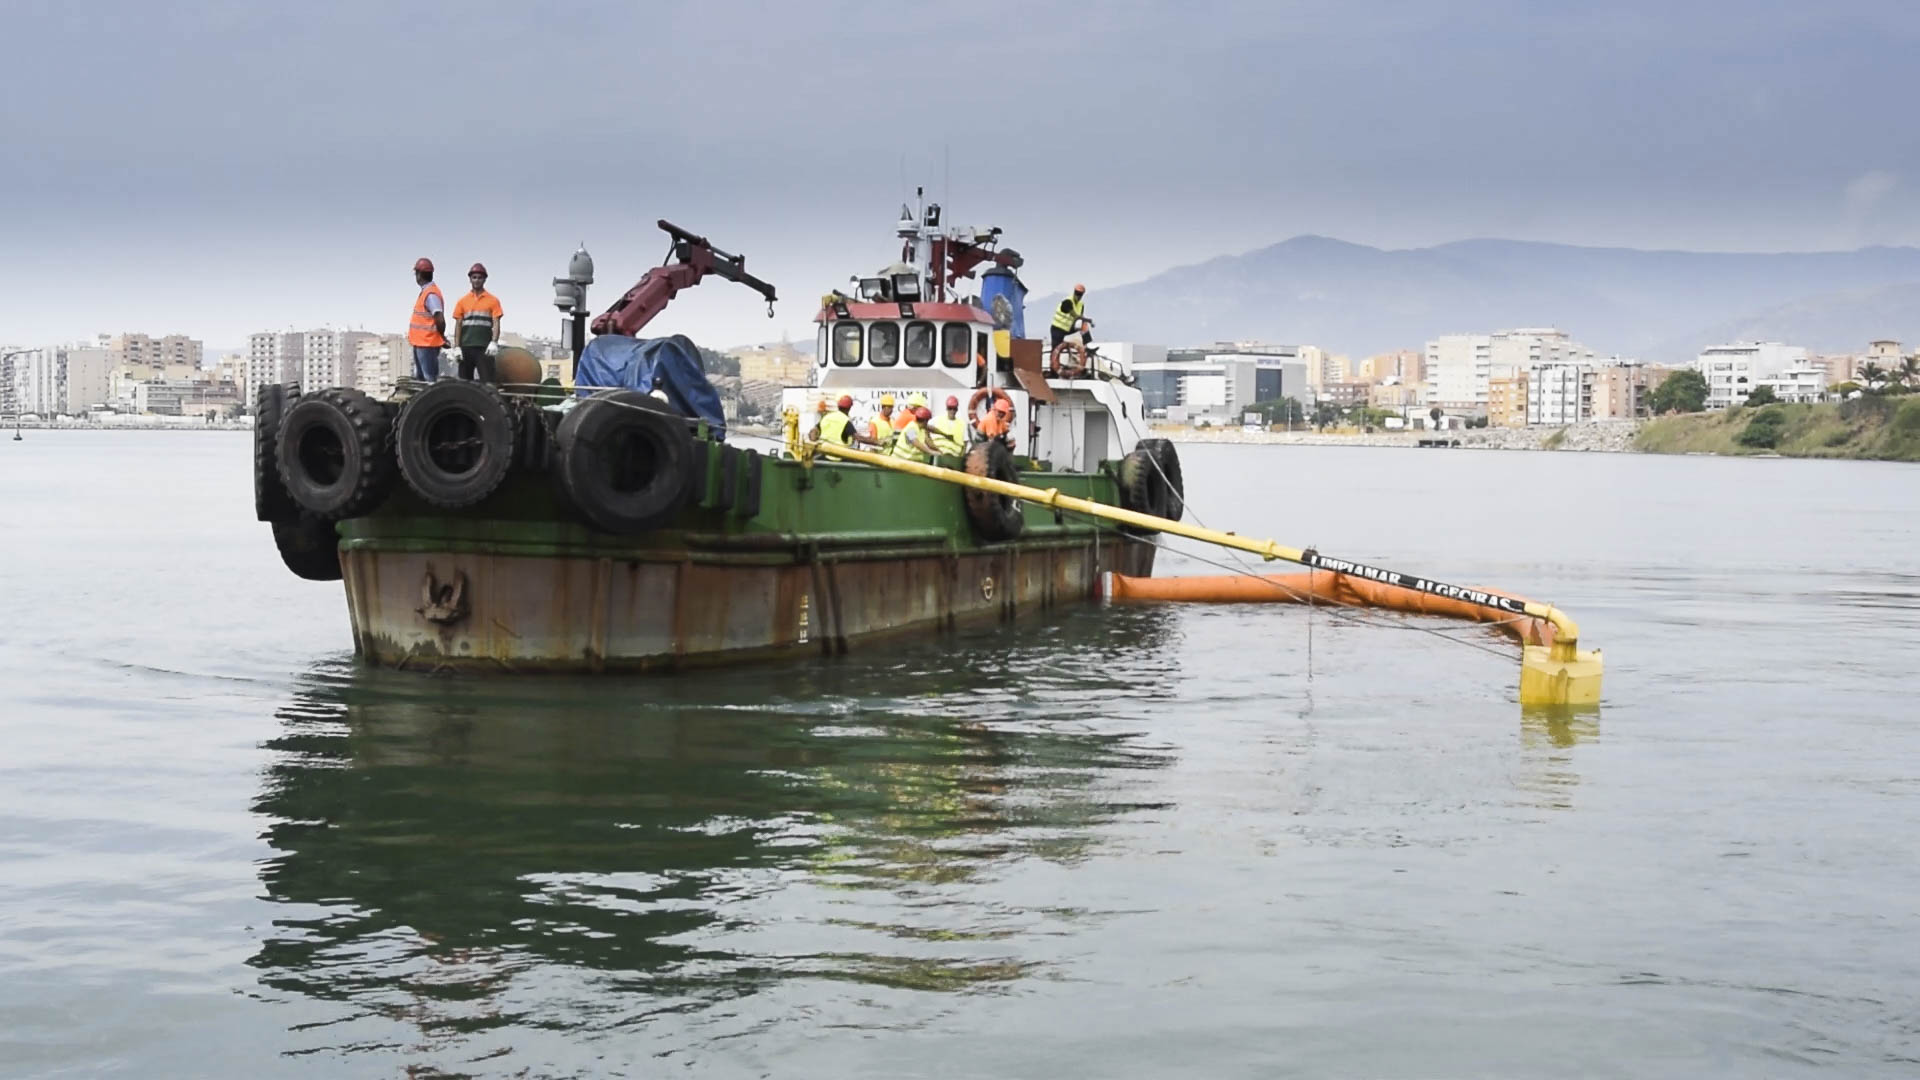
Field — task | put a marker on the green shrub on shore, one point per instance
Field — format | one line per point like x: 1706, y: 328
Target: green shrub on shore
x: 1764, y: 430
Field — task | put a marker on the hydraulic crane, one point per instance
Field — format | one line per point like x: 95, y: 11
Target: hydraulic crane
x: 689, y: 261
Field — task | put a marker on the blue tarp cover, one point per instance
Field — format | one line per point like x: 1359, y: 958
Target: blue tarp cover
x: 669, y: 364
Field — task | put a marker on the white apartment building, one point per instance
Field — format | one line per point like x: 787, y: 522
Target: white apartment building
x: 1459, y: 366
x: 328, y: 357
x: 1560, y: 392
x: 380, y: 362
x: 63, y: 380
x: 1220, y: 382
x: 1734, y: 371
x: 273, y: 358
x: 1800, y: 384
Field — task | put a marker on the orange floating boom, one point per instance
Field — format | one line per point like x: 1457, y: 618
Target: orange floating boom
x: 1326, y: 588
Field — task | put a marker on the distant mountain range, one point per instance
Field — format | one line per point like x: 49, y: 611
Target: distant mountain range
x: 1660, y: 306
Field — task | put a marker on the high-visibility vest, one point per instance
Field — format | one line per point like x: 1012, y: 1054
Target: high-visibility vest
x: 1067, y: 320
x: 833, y: 428
x: 477, y: 315
x: 904, y: 446
x: 883, y: 432
x: 421, y: 331
x: 948, y: 434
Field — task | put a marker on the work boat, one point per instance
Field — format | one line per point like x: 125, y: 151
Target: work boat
x: 614, y: 526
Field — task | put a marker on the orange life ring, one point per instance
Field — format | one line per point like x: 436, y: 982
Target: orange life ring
x: 973, y: 403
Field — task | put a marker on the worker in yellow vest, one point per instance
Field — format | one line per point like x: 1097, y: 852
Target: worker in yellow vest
x: 911, y: 443
x: 836, y: 426
x: 1069, y: 328
x: 427, y: 330
x: 948, y: 434
x: 882, y: 434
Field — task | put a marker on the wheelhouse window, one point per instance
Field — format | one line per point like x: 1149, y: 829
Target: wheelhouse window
x: 846, y: 344
x: 953, y: 345
x: 920, y: 344
x: 820, y: 347
x: 883, y: 344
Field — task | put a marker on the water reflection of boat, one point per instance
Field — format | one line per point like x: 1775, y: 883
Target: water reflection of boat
x: 444, y: 847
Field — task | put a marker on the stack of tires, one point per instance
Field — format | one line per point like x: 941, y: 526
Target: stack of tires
x: 623, y: 460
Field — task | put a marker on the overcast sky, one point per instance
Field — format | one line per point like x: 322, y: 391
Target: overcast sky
x: 220, y: 166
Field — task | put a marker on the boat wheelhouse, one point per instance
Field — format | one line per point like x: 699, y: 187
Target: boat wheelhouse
x: 908, y: 329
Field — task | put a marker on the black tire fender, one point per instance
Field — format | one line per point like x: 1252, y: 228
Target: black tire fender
x: 455, y: 442
x: 309, y: 547
x: 623, y: 459
x: 995, y: 517
x: 1175, y: 485
x: 270, y: 499
x: 333, y: 453
x: 748, y: 505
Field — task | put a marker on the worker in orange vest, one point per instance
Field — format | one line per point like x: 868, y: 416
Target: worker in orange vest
x: 427, y: 331
x: 478, y: 314
x: 998, y: 423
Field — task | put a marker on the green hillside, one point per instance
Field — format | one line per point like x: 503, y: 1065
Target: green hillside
x: 1878, y: 428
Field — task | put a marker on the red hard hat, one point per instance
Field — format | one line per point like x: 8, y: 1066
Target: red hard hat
x: 477, y: 268
x: 952, y: 402
x: 846, y: 401
x: 1079, y: 288
x: 923, y: 413
x: 423, y: 265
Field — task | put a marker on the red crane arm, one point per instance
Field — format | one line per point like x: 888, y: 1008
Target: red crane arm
x: 692, y: 260
x: 961, y: 258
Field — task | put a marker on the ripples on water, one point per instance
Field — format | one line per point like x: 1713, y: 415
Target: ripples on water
x: 1134, y: 841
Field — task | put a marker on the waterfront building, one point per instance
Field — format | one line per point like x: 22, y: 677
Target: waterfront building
x: 1620, y: 391
x: 1344, y: 395
x: 1841, y: 367
x: 145, y: 351
x: 1396, y: 396
x: 1459, y: 367
x: 1733, y: 371
x: 181, y: 397
x: 1217, y: 382
x: 380, y: 362
x: 274, y: 357
x: 57, y: 380
x: 327, y: 357
x: 1404, y: 365
x: 1559, y: 392
x: 782, y: 365
x: 1507, y: 400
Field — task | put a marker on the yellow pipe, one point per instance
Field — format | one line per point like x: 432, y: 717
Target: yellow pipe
x: 1563, y: 653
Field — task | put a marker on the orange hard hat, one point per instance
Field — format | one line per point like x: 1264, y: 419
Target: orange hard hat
x: 1003, y: 405
x: 821, y: 405
x: 1079, y: 288
x: 477, y: 268
x: 846, y: 401
x: 952, y: 402
x: 423, y: 265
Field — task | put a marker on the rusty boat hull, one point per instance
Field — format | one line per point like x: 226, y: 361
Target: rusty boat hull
x: 772, y: 558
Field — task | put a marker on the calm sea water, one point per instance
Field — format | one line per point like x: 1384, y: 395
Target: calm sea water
x: 1157, y: 841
